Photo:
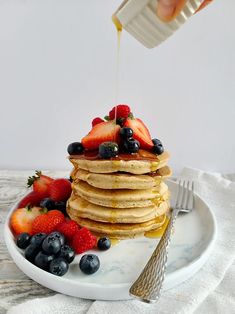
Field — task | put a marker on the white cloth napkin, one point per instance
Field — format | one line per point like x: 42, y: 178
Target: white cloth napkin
x: 211, y: 290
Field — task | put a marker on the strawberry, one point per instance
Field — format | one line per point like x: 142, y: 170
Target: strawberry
x: 141, y: 133
x: 47, y: 222
x: 60, y: 190
x: 68, y: 229
x: 122, y: 112
x: 96, y: 121
x: 102, y: 132
x: 40, y: 182
x: 83, y: 240
x: 22, y: 218
x: 31, y: 199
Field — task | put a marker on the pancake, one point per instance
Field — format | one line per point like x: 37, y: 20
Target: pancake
x: 118, y: 230
x: 84, y: 209
x: 141, y: 163
x: 120, y: 198
x: 121, y: 180
x: 164, y: 172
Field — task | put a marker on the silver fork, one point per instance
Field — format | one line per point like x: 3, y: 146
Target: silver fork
x: 148, y: 286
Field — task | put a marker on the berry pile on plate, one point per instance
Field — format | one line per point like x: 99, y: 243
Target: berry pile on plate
x: 48, y: 238
x: 125, y: 134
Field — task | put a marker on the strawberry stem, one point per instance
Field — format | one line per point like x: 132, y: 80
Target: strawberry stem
x: 120, y: 121
x: 107, y: 118
x: 38, y: 173
x: 28, y: 207
x: 43, y: 210
x: 32, y: 179
x: 131, y: 116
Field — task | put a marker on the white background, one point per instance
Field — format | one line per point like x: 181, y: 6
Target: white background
x: 57, y: 70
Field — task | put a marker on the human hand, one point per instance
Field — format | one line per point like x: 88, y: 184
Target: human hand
x: 167, y: 10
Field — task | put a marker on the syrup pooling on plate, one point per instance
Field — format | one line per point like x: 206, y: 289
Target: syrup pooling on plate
x: 158, y: 232
x: 114, y: 241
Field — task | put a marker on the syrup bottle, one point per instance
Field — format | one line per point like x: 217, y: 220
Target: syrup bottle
x: 140, y: 19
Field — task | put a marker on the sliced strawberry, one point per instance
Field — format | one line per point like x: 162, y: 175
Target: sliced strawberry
x: 102, y: 132
x: 22, y: 218
x: 40, y: 182
x: 96, y: 121
x: 31, y: 199
x: 141, y: 132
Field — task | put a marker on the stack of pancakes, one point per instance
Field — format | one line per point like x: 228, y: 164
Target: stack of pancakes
x: 122, y: 197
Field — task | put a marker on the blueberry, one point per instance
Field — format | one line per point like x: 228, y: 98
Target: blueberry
x: 104, y: 244
x: 59, y: 266
x: 158, y: 147
x: 31, y: 251
x: 67, y: 253
x: 23, y: 240
x: 57, y: 235
x: 89, y: 263
x: 61, y: 205
x: 126, y: 133
x: 108, y: 149
x: 43, y: 260
x: 37, y: 239
x: 47, y: 203
x: 158, y: 150
x: 75, y: 148
x: 156, y: 141
x: 51, y: 245
x: 131, y: 145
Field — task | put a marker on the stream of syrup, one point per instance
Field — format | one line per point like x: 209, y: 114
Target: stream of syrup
x: 118, y: 26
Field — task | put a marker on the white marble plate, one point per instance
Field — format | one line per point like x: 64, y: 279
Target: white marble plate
x: 190, y: 248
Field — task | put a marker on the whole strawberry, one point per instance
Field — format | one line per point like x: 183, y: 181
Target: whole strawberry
x: 22, y: 218
x: 40, y: 183
x: 47, y: 223
x: 122, y: 112
x: 60, y: 190
x: 68, y: 228
x: 83, y: 241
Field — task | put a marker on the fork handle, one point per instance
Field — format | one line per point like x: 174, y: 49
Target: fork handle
x: 148, y: 285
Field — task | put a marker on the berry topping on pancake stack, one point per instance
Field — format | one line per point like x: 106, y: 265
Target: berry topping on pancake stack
x: 118, y: 187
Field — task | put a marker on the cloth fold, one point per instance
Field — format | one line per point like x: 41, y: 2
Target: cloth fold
x: 211, y: 290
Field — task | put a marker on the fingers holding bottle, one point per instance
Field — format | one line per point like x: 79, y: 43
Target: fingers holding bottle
x: 167, y: 10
